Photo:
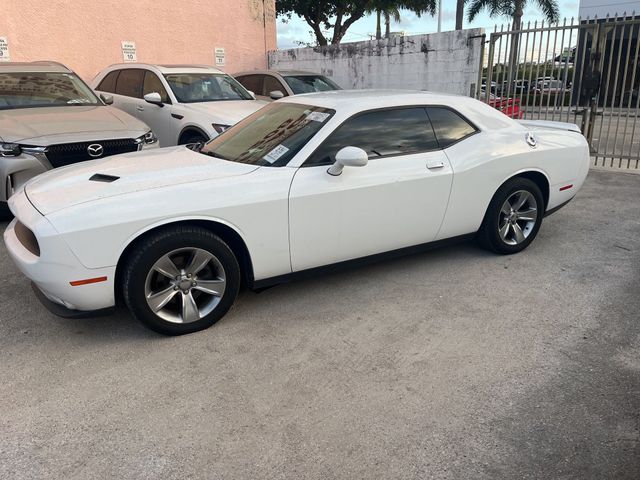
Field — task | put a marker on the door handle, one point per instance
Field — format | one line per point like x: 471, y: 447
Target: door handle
x: 434, y: 165
x: 139, y: 108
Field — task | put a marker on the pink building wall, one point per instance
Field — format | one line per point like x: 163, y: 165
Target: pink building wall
x: 86, y: 35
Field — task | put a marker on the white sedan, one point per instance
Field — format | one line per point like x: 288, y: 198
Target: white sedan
x: 304, y: 183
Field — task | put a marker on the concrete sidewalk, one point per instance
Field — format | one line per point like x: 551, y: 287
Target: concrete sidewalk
x: 454, y: 364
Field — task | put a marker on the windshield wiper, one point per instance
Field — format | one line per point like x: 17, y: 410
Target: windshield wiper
x: 215, y: 155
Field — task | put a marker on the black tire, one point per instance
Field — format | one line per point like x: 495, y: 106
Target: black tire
x: 489, y: 234
x: 5, y: 213
x: 193, y: 138
x: 155, y: 246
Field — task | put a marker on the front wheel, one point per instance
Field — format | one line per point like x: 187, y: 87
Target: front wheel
x: 513, y: 218
x: 180, y: 280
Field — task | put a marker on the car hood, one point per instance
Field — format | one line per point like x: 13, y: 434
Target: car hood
x: 227, y: 112
x: 122, y: 174
x: 44, y: 126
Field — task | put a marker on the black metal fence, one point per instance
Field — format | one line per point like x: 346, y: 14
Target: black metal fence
x: 584, y: 71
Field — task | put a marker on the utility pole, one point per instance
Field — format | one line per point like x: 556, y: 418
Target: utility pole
x: 439, y: 16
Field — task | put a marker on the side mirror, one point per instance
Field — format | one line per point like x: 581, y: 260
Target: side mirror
x: 107, y: 99
x: 276, y: 95
x: 253, y: 95
x: 348, y: 157
x: 154, y: 98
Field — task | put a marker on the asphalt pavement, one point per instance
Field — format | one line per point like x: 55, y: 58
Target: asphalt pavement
x: 452, y: 364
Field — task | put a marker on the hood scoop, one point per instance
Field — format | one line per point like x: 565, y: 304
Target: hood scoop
x: 101, y: 177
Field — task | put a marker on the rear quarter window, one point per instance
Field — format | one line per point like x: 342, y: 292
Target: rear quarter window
x: 449, y: 126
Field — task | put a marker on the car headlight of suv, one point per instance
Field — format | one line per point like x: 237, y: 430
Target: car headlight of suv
x: 10, y: 150
x: 219, y: 127
x: 148, y: 138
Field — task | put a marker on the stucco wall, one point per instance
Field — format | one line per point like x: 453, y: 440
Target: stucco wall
x: 440, y: 62
x: 86, y: 35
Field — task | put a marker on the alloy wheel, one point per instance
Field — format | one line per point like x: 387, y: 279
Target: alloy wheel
x: 185, y: 285
x: 517, y: 217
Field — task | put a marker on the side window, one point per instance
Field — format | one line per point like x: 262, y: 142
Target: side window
x: 108, y: 83
x: 153, y: 84
x: 251, y: 82
x: 129, y: 83
x: 382, y: 133
x: 272, y: 84
x: 449, y: 126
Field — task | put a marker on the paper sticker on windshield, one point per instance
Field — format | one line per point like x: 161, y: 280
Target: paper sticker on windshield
x: 276, y: 153
x: 317, y: 116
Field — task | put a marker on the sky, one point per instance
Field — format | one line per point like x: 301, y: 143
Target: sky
x: 296, y: 30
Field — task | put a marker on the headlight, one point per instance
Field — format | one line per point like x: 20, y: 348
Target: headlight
x: 218, y: 127
x: 10, y: 150
x: 148, y: 138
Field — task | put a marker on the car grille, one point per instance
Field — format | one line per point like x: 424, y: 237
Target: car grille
x: 68, y: 153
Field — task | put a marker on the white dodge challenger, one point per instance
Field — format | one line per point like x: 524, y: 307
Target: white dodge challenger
x: 306, y: 182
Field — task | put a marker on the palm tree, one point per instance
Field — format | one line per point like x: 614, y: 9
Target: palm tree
x: 391, y: 9
x: 388, y: 13
x: 459, y: 14
x: 515, y: 10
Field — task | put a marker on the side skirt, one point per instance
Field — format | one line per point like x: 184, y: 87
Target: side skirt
x: 555, y: 209
x: 259, y: 285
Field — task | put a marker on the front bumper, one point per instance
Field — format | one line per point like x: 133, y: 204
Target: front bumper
x: 16, y: 171
x: 56, y: 267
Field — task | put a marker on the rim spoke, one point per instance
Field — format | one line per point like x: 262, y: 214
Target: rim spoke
x: 166, y: 267
x: 521, y: 200
x: 190, y: 311
x: 159, y: 299
x: 198, y: 261
x: 504, y: 231
x: 519, y: 236
x: 528, y: 215
x: 211, y: 287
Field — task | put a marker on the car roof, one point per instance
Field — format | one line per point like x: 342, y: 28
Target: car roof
x: 279, y: 72
x: 166, y: 68
x: 40, y: 66
x: 350, y: 102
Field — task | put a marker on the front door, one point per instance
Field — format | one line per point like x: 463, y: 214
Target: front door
x: 397, y: 200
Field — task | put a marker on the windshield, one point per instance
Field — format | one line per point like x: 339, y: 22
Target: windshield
x: 206, y: 87
x: 43, y: 89
x: 310, y: 83
x: 271, y: 136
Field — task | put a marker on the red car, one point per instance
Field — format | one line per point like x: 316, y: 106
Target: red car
x: 509, y: 106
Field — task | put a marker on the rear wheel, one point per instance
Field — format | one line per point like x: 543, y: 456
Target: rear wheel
x: 181, y: 280
x: 513, y: 218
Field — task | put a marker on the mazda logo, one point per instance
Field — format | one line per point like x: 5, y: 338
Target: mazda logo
x: 95, y: 150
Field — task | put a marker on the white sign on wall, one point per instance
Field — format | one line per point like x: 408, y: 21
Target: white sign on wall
x: 219, y: 57
x: 4, y: 50
x: 129, y: 51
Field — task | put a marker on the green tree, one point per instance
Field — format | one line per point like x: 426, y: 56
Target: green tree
x: 513, y: 9
x: 339, y: 15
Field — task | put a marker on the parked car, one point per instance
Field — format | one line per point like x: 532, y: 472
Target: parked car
x: 50, y: 118
x: 509, y: 106
x: 274, y: 84
x: 517, y: 87
x: 551, y: 86
x: 182, y: 103
x: 307, y: 182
